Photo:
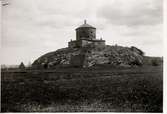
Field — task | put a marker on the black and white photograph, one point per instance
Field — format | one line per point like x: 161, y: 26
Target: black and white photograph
x: 82, y: 56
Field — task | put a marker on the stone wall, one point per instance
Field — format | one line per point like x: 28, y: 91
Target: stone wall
x: 99, y: 43
x: 88, y: 33
x: 84, y: 42
x: 77, y: 60
x: 72, y: 44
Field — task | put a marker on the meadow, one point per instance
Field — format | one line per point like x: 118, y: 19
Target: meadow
x: 134, y: 89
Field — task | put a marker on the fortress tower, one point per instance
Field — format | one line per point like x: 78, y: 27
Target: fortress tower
x: 85, y: 31
x: 85, y: 35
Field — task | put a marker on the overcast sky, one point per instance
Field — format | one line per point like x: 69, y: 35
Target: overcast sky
x: 31, y: 28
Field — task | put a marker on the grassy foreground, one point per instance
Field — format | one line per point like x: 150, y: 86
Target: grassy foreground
x: 109, y: 90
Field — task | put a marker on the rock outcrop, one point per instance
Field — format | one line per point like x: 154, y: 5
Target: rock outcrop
x: 91, y: 55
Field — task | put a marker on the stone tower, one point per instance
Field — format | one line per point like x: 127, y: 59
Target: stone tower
x: 85, y: 31
x: 85, y: 35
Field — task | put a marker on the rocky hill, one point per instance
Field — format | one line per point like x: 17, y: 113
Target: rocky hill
x: 90, y: 56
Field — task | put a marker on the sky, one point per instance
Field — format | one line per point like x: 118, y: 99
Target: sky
x: 31, y: 28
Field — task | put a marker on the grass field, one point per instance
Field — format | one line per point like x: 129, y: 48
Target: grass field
x: 138, y: 89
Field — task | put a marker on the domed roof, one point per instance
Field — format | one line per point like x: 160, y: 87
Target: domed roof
x: 85, y: 25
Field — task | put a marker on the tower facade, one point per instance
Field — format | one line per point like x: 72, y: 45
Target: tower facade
x: 85, y: 35
x: 85, y: 31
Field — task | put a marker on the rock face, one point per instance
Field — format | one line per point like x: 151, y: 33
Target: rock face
x: 90, y: 56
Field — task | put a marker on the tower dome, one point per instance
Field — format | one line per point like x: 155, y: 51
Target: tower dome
x: 85, y: 25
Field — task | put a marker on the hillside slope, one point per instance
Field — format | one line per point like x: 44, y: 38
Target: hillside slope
x: 89, y: 56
